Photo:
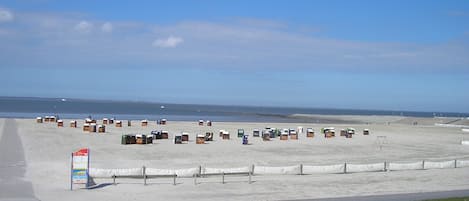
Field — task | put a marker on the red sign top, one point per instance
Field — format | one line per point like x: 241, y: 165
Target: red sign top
x: 81, y: 152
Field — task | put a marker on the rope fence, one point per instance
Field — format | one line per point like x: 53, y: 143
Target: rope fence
x: 199, y: 172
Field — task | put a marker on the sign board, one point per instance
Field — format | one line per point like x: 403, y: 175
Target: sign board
x: 80, y: 167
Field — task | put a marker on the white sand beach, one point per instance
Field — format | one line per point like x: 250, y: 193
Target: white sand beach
x: 47, y: 151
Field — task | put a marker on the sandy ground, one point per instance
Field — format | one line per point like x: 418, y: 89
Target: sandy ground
x: 47, y: 150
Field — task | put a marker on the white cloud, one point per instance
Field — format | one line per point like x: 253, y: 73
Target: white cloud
x: 352, y: 56
x: 395, y: 55
x: 107, y: 27
x: 228, y: 44
x: 83, y: 27
x: 171, y: 41
x: 5, y: 15
x: 458, y: 13
x: 253, y: 22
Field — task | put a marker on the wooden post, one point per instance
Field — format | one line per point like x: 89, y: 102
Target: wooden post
x: 301, y: 169
x: 195, y: 179
x: 345, y: 168
x: 252, y: 169
x: 385, y: 168
x: 223, y: 177
x: 423, y: 165
x: 455, y: 163
x: 144, y: 176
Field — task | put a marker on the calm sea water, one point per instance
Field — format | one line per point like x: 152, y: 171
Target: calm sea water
x: 75, y: 108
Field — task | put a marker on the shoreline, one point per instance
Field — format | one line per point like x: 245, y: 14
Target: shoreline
x: 264, y: 118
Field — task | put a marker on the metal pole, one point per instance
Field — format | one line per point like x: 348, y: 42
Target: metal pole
x: 71, y: 173
x: 88, y: 170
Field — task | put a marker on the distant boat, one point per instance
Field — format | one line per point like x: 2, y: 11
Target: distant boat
x: 162, y: 107
x: 63, y: 99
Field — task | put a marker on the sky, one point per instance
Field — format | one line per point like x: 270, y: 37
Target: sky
x: 382, y: 55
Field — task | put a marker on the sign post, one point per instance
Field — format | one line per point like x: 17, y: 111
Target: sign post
x: 80, y: 167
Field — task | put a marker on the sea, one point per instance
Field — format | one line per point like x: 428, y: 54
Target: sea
x: 69, y: 108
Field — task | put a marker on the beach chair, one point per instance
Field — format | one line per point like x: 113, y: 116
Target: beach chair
x: 240, y: 133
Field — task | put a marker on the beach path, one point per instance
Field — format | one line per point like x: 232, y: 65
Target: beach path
x: 399, y: 197
x: 13, y: 166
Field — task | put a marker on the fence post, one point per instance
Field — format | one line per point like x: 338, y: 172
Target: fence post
x: 345, y: 168
x: 301, y: 169
x: 423, y: 164
x: 223, y: 177
x: 195, y: 179
x: 455, y: 163
x: 144, y: 175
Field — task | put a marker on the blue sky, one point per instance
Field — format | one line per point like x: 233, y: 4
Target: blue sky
x: 393, y: 55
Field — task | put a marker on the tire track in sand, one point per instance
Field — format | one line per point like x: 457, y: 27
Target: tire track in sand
x: 13, y: 166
